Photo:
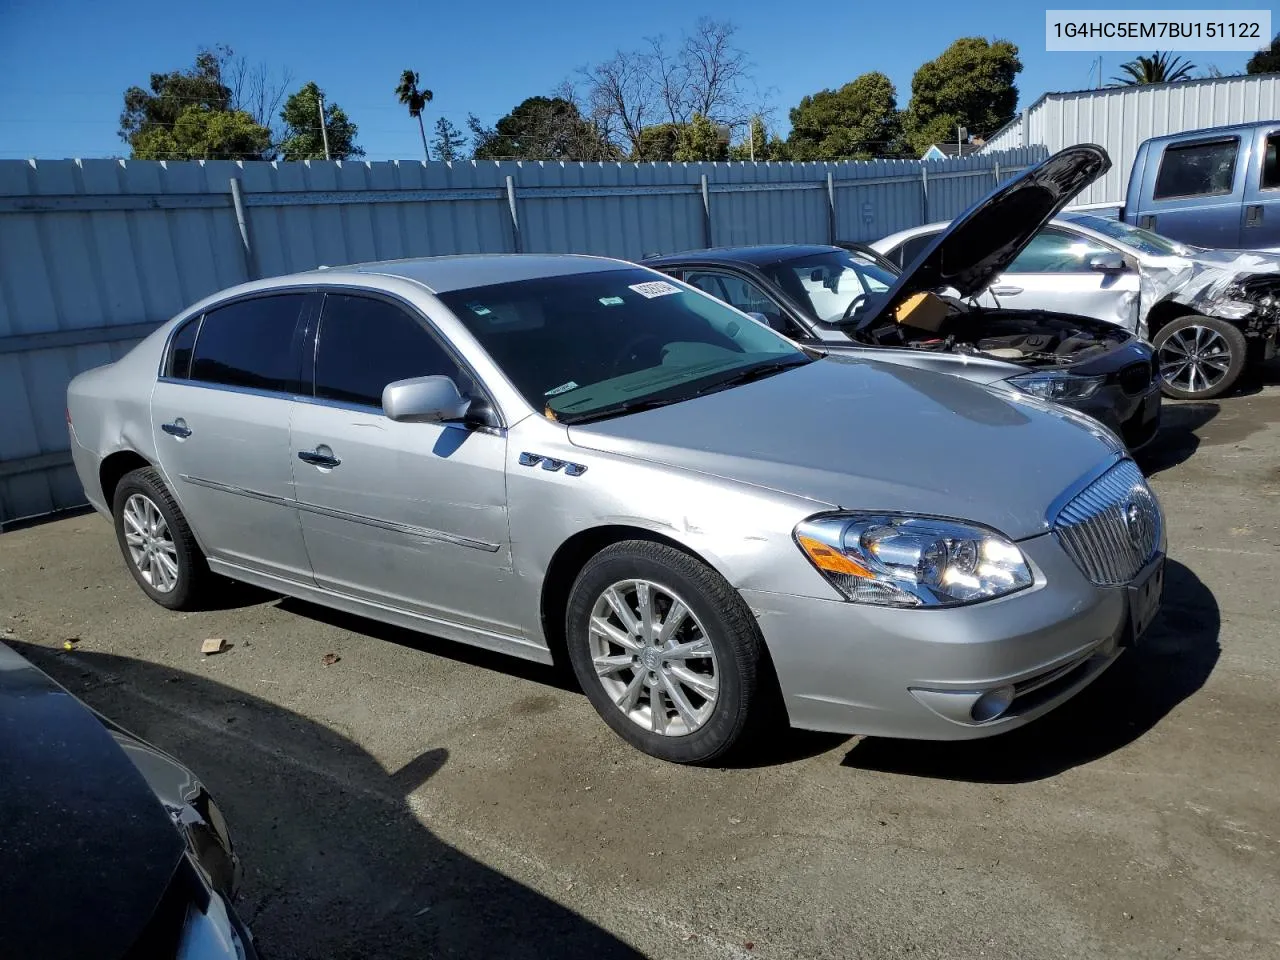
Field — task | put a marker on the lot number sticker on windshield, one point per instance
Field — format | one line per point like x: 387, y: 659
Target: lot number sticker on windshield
x: 654, y: 288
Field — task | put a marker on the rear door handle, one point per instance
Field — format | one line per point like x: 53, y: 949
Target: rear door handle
x: 322, y: 456
x: 1253, y: 215
x: 1006, y: 291
x: 177, y: 429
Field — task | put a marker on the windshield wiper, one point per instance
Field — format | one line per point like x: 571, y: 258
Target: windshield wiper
x: 630, y: 406
x: 757, y: 371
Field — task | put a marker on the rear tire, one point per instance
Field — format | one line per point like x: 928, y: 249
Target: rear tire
x: 1200, y: 357
x: 698, y: 656
x: 157, y: 543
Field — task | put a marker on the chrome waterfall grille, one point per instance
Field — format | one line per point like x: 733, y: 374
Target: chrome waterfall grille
x: 1112, y: 528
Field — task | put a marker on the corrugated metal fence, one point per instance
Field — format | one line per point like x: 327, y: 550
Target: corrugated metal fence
x: 1120, y: 118
x: 95, y: 253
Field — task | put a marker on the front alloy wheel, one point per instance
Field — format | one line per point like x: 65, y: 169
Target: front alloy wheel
x: 653, y: 657
x: 1200, y: 357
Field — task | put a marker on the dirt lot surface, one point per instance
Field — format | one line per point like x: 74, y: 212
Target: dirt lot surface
x: 420, y: 799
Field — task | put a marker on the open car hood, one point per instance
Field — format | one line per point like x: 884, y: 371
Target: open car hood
x: 982, y: 242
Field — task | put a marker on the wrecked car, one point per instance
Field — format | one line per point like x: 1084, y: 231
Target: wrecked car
x: 1212, y: 315
x: 852, y: 302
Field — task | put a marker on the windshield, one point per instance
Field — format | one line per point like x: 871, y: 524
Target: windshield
x: 590, y: 344
x: 830, y: 283
x: 1144, y: 241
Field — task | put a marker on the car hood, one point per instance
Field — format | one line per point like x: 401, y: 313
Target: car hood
x: 865, y: 435
x: 92, y: 845
x: 981, y: 243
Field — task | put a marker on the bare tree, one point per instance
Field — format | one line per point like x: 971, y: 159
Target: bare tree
x: 255, y: 88
x: 706, y: 73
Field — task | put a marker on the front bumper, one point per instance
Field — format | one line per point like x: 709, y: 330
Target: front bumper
x: 914, y: 673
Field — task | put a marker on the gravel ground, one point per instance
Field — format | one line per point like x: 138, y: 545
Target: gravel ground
x: 418, y: 798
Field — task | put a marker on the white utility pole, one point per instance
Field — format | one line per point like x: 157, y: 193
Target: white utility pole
x: 323, y: 131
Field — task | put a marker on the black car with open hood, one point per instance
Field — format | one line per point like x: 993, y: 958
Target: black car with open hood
x: 849, y: 301
x: 113, y: 849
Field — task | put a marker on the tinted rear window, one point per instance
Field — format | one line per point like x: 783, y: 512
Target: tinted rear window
x: 251, y: 344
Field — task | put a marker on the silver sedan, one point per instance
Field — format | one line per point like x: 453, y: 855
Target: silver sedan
x: 556, y: 456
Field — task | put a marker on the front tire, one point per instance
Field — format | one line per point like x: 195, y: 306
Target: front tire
x: 666, y: 651
x: 1200, y: 357
x: 158, y: 545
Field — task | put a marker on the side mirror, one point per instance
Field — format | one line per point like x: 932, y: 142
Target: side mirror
x: 424, y: 400
x: 1106, y: 263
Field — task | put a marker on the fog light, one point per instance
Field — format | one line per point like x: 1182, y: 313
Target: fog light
x: 991, y: 704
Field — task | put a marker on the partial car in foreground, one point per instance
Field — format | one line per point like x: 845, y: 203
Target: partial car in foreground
x: 1212, y: 315
x: 547, y: 455
x: 849, y: 301
x: 113, y: 849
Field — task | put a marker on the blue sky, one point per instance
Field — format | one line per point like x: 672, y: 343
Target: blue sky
x: 64, y: 65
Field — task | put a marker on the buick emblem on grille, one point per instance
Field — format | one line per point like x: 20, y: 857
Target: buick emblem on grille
x: 1138, y: 522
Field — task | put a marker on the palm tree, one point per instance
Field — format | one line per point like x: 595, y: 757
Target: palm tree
x: 416, y: 100
x: 1158, y: 68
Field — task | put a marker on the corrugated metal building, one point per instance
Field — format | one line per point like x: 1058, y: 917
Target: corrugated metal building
x: 95, y: 253
x: 1120, y: 118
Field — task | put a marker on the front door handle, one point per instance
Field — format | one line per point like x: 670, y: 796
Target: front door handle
x: 1006, y: 291
x: 177, y: 429
x: 322, y: 456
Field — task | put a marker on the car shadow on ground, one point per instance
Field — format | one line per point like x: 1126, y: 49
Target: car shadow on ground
x: 1173, y: 661
x: 337, y: 865
x: 1177, y: 439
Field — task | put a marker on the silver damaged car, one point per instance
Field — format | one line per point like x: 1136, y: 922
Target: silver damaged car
x: 577, y: 457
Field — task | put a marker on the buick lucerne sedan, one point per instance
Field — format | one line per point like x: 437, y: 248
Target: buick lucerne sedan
x: 574, y: 456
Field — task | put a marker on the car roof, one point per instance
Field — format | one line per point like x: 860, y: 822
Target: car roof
x: 1210, y: 131
x: 758, y: 255
x: 463, y: 271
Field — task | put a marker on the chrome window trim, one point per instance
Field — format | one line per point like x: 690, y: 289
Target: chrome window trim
x: 424, y: 533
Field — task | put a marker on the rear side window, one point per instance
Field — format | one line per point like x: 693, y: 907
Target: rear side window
x: 365, y: 344
x: 906, y: 254
x: 180, y: 349
x: 1197, y: 169
x: 251, y: 344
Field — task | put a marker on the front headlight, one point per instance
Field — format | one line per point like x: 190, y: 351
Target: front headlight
x: 1057, y: 385
x: 901, y: 561
x: 1230, y: 309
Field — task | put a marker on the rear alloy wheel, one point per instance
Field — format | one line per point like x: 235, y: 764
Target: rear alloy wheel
x: 1200, y: 357
x: 666, y: 651
x: 158, y: 545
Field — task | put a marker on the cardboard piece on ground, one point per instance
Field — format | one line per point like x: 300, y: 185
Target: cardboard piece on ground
x: 214, y: 645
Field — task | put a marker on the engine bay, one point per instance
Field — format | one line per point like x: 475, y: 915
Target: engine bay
x: 1028, y: 337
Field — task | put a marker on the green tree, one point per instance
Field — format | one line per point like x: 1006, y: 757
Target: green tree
x: 450, y: 143
x: 857, y: 122
x: 971, y: 84
x: 199, y: 100
x: 303, y: 139
x: 700, y: 140
x: 657, y: 142
x: 416, y: 99
x: 199, y: 133
x: 541, y: 128
x: 1158, y: 68
x: 1266, y: 60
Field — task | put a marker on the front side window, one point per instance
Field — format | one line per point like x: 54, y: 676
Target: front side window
x: 1057, y: 251
x: 833, y: 285
x: 1270, y: 179
x: 1197, y: 170
x: 251, y: 343
x: 593, y: 344
x: 363, y: 344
